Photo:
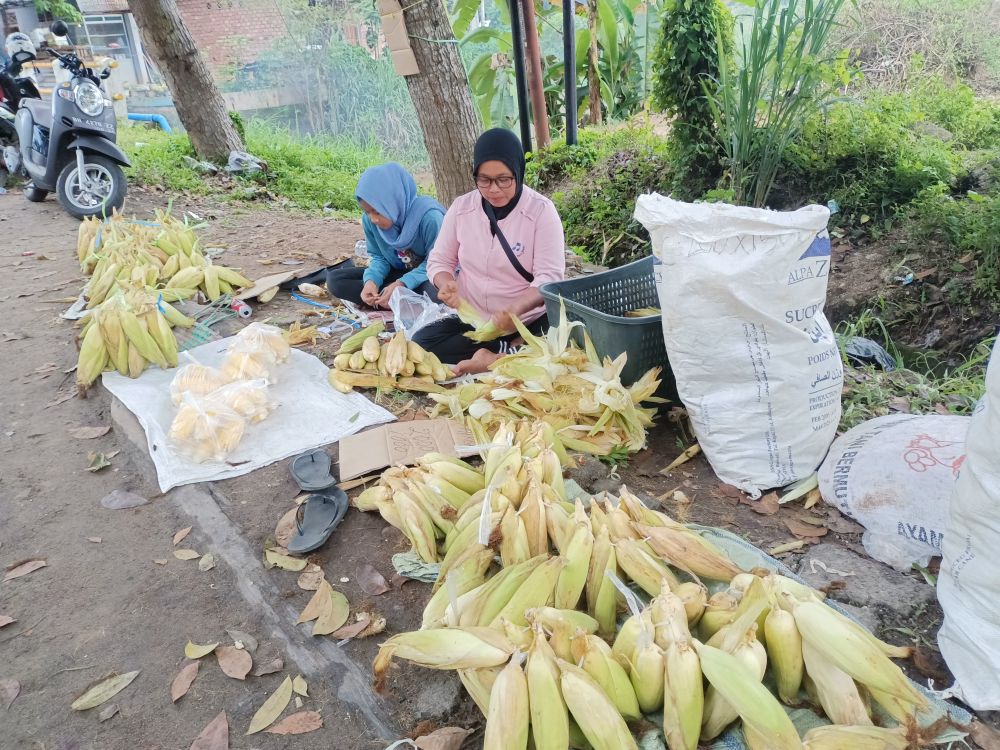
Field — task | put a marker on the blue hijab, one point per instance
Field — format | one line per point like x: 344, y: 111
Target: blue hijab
x: 392, y: 191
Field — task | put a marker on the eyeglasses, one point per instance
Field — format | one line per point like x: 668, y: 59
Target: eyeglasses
x: 503, y: 181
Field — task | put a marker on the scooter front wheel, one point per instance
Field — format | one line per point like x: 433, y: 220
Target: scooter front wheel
x: 100, y: 189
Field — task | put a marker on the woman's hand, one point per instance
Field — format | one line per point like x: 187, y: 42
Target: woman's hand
x: 369, y: 294
x: 383, y: 298
x: 502, y: 321
x: 447, y: 290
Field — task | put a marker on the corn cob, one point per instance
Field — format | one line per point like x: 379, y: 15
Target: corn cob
x: 508, y: 717
x: 596, y: 715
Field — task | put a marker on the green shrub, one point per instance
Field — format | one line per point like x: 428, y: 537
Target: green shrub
x: 686, y: 58
x: 157, y: 158
x: 594, y: 185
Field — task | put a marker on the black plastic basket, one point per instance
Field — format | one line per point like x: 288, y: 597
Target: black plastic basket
x: 600, y: 302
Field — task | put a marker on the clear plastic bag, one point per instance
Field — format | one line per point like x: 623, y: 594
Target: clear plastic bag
x: 412, y: 311
x: 248, y: 398
x: 196, y: 379
x: 262, y: 339
x: 205, y: 429
x: 240, y: 364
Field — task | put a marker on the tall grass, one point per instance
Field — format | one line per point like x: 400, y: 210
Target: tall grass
x: 762, y: 99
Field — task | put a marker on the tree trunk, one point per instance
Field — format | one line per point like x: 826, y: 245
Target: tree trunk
x: 593, y: 77
x: 200, y: 105
x: 535, y: 82
x: 441, y: 96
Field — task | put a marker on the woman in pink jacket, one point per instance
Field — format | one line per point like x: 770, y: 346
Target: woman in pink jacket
x: 496, y: 247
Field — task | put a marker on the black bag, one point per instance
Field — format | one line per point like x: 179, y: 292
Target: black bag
x: 525, y: 274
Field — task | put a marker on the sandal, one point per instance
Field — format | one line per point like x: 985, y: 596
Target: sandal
x: 311, y: 471
x: 316, y: 519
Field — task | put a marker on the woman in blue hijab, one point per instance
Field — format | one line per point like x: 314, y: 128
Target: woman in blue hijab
x: 400, y: 230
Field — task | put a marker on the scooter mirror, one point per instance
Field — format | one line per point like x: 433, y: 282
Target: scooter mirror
x: 59, y: 28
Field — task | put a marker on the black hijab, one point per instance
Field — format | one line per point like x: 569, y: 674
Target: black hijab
x: 500, y: 145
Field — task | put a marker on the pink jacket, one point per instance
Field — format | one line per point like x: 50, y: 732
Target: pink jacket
x: 485, y: 276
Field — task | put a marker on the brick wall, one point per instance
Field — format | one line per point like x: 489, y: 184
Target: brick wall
x: 232, y: 32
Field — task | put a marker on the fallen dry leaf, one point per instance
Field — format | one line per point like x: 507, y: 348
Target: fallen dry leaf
x: 94, y: 539
x: 5, y: 620
x: 62, y: 397
x: 350, y: 631
x: 268, y: 667
x: 804, y: 530
x: 235, y: 662
x: 300, y: 687
x: 185, y: 554
x: 311, y: 578
x: 215, y: 736
x: 194, y: 651
x: 294, y: 564
x: 446, y: 738
x: 767, y: 505
x: 122, y: 499
x: 103, y: 691
x: 23, y: 568
x: 371, y: 581
x: 334, y: 613
x: 786, y: 547
x: 314, y: 608
x: 9, y: 690
x: 272, y: 707
x: 161, y: 562
x: 300, y: 723
x: 243, y: 640
x: 206, y: 563
x: 183, y: 680
x: 97, y: 460
x: 179, y: 536
x: 89, y: 433
x: 298, y: 703
x: 108, y: 712
x: 728, y: 490
x: 286, y: 528
x: 984, y: 736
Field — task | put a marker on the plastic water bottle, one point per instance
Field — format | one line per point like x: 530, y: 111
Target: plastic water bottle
x: 361, y: 256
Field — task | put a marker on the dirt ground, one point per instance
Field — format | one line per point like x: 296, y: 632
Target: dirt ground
x: 103, y: 605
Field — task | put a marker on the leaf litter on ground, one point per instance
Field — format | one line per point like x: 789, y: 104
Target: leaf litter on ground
x: 9, y: 690
x: 272, y: 707
x: 334, y: 613
x: 108, y: 712
x: 274, y: 558
x: 103, y: 691
x: 89, y: 433
x: 194, y: 651
x: 445, y: 738
x: 206, y: 563
x: 298, y: 723
x: 6, y: 620
x: 97, y: 460
x: 268, y: 667
x: 311, y: 578
x: 235, y: 662
x: 243, y: 640
x: 300, y: 687
x: 23, y: 568
x: 185, y: 554
x: 179, y: 536
x: 215, y: 736
x: 122, y: 499
x: 182, y: 682
x: 371, y: 581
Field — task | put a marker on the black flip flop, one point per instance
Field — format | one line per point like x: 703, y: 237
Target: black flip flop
x: 318, y: 516
x: 312, y: 471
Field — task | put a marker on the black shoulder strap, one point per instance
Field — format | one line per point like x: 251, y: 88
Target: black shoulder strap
x: 525, y: 274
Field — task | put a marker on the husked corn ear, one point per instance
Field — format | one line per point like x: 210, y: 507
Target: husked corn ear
x: 680, y: 549
x: 334, y: 379
x: 695, y: 598
x: 532, y: 513
x: 514, y: 547
x: 536, y: 591
x: 417, y: 526
x: 547, y: 617
x: 355, y: 341
x: 549, y: 715
x: 467, y: 573
x: 366, y: 501
x: 835, y: 737
x: 454, y: 470
x: 742, y: 689
x: 683, y: 696
x: 573, y: 577
x: 851, y: 652
x: 644, y: 569
x: 602, y: 599
x: 784, y: 651
x: 837, y: 693
x: 594, y: 656
x: 445, y: 648
x: 718, y: 712
x: 508, y: 716
x: 93, y: 357
x: 628, y: 636
x: 596, y: 715
x: 370, y: 349
x: 395, y: 355
x: 719, y: 611
x: 501, y: 588
x: 647, y: 673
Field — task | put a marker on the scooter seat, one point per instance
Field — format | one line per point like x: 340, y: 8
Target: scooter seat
x: 41, y: 111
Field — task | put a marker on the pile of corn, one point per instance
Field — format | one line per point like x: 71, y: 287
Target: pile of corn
x: 127, y: 332
x: 484, y: 329
x: 537, y: 646
x: 576, y: 392
x: 164, y: 255
x: 364, y: 362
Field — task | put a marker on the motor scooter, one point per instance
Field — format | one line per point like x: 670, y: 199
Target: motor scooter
x: 68, y: 146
